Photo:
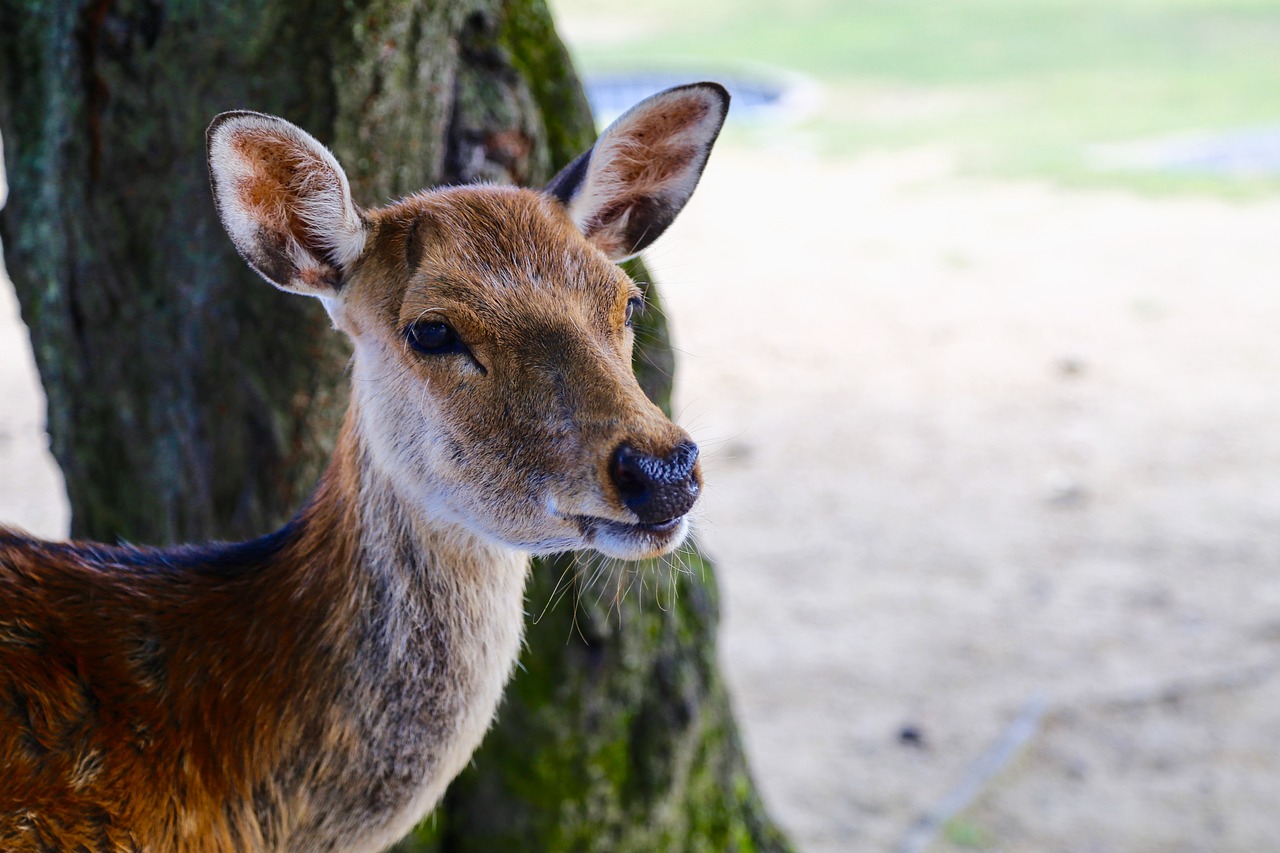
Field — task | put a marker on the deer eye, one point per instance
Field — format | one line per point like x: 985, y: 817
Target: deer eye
x: 634, y: 304
x: 432, y: 337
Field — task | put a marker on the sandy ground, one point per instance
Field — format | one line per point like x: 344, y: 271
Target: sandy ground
x: 985, y: 461
x: 32, y: 495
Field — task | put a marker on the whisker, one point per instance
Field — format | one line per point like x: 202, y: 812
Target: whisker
x: 552, y: 597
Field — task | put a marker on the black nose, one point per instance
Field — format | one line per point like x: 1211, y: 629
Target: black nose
x: 656, y: 489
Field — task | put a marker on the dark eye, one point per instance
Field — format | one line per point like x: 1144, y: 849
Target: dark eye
x: 432, y: 337
x: 634, y: 304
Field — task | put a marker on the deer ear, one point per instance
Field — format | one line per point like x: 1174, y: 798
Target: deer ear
x: 630, y: 185
x: 285, y: 202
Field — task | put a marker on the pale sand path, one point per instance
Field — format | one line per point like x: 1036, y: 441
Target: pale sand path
x: 32, y: 495
x: 969, y: 442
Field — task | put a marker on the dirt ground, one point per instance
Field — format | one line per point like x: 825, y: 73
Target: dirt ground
x: 993, y: 490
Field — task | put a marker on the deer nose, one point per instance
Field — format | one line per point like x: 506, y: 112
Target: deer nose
x: 657, y: 489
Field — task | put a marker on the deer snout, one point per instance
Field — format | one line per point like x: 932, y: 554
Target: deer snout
x: 657, y: 489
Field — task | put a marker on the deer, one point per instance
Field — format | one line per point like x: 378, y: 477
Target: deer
x: 316, y: 689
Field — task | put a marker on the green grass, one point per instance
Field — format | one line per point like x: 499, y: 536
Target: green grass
x: 962, y: 833
x: 1018, y: 87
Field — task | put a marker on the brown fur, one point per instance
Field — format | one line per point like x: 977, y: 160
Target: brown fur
x: 146, y: 697
x: 317, y: 689
x: 269, y: 192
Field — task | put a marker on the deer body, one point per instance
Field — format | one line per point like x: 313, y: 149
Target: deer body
x: 317, y: 689
x: 312, y: 690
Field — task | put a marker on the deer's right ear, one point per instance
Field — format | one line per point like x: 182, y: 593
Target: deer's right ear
x: 285, y: 202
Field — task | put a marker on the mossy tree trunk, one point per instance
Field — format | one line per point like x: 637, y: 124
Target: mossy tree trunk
x: 189, y: 400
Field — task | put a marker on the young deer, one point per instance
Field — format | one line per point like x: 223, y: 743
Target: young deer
x: 318, y: 688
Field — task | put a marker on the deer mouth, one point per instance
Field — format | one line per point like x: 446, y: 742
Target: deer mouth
x: 632, y: 541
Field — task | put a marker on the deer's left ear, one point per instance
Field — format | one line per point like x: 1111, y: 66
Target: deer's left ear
x: 285, y: 202
x: 630, y: 185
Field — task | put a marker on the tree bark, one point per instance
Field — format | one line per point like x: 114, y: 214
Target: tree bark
x: 189, y: 400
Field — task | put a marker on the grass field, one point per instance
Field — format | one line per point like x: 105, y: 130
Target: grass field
x: 1015, y: 87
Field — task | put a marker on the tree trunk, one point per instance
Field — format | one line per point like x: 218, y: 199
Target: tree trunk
x: 189, y: 400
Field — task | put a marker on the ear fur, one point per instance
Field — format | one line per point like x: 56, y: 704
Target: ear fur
x: 284, y: 201
x: 625, y: 191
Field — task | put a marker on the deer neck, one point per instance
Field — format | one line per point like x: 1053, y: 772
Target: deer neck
x: 429, y: 642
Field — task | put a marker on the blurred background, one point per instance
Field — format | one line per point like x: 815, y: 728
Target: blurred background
x: 977, y: 313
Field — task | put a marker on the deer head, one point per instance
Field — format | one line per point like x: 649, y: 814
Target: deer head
x: 492, y: 381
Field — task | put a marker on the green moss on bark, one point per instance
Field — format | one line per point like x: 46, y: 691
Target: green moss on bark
x: 644, y: 758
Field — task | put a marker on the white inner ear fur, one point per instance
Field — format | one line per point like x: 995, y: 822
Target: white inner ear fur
x: 325, y: 204
x: 319, y: 195
x: 621, y: 144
